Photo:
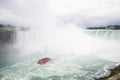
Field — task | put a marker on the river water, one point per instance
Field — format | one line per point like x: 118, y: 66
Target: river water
x: 75, y: 55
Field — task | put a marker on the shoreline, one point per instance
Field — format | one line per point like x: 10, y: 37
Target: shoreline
x: 114, y: 74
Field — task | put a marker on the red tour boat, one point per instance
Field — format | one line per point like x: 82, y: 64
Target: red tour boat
x: 44, y: 60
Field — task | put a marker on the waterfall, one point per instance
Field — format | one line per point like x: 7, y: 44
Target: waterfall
x: 76, y: 53
x: 105, y: 34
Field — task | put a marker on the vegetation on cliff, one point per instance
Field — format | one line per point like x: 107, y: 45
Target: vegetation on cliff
x: 112, y: 27
x: 6, y: 28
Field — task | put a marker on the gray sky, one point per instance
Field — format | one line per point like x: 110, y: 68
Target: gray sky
x: 39, y: 12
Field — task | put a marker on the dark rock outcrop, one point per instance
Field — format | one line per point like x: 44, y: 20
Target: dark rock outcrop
x: 114, y: 75
x: 7, y: 36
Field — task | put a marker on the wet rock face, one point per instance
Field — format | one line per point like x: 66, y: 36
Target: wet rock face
x: 7, y: 35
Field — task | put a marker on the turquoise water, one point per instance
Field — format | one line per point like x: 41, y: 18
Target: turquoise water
x: 83, y: 63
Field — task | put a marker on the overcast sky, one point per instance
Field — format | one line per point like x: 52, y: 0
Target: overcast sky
x: 39, y: 12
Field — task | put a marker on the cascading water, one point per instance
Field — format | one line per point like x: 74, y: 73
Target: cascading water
x: 106, y: 34
x: 76, y: 54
